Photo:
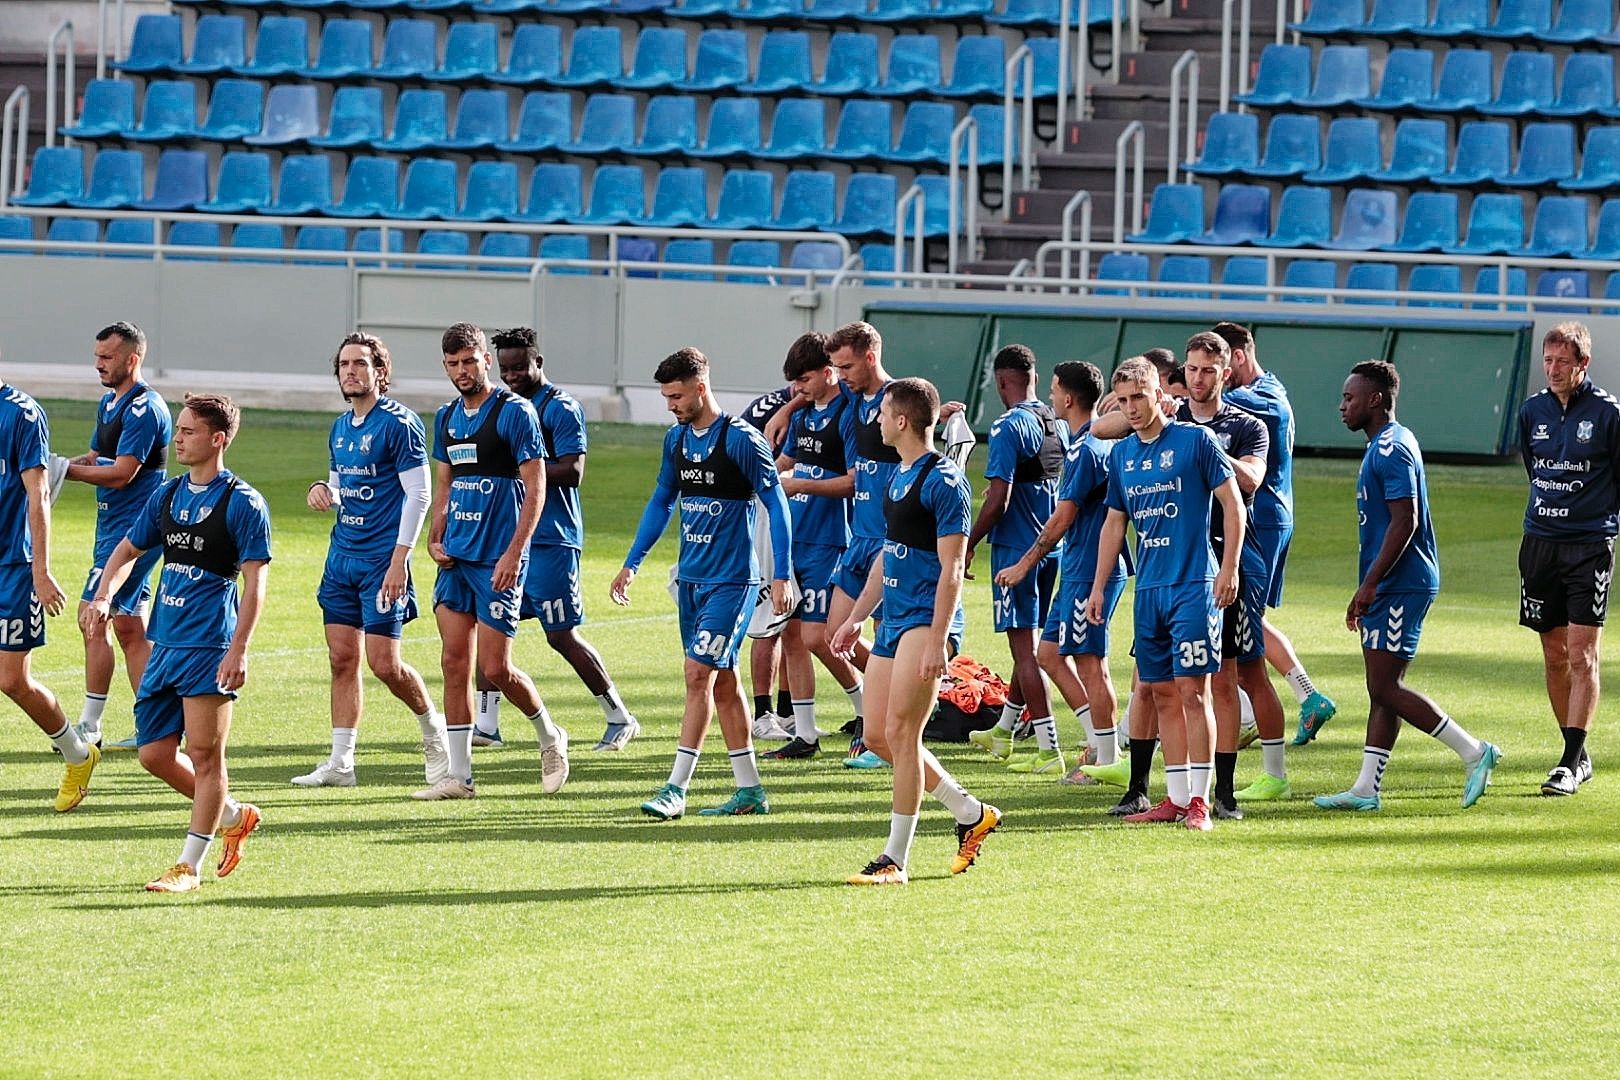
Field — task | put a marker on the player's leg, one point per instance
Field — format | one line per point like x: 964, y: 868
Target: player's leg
x: 1223, y: 688
x: 495, y: 662
x: 343, y: 647
x: 98, y: 671
x: 1198, y: 718
x: 763, y: 654
x: 1064, y: 675
x: 40, y: 705
x: 801, y: 676
x: 1588, y: 570
x: 1386, y: 686
x: 1032, y: 682
x: 458, y: 635
x: 1272, y: 783
x: 845, y: 586
x: 207, y: 721
x: 1163, y: 698
x: 384, y: 658
x: 722, y: 620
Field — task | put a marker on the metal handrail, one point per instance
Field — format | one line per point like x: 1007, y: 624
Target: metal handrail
x: 1114, y: 44
x: 1020, y: 269
x: 1064, y: 27
x: 69, y: 89
x: 1134, y: 133
x: 914, y: 200
x: 1188, y: 62
x: 968, y: 129
x: 1247, y: 18
x: 101, y: 38
x: 1026, y: 124
x: 1082, y: 201
x: 13, y: 126
x: 1081, y: 62
x: 1283, y: 20
x: 1226, y: 55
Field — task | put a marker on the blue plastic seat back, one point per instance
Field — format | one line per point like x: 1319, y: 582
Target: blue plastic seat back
x: 1465, y: 80
x: 722, y: 60
x: 852, y: 64
x: 1242, y: 215
x: 492, y: 192
x: 1581, y: 21
x: 291, y: 114
x: 798, y: 128
x: 914, y: 65
x: 1367, y: 222
x: 345, y: 48
x: 430, y: 189
x: 117, y: 180
x: 565, y: 246
x: 1522, y: 19
x: 219, y: 42
x: 320, y: 238
x: 194, y: 234
x: 371, y: 187
x: 109, y: 108
x: 1343, y: 74
x: 444, y: 242
x: 1546, y: 153
x: 1184, y: 270
x: 372, y: 240
x: 1231, y: 144
x: 1527, y: 84
x: 535, y: 55
x: 1045, y: 73
x: 1430, y: 222
x: 260, y: 237
x: 1570, y: 285
x: 660, y: 58
x: 281, y: 45
x: 670, y: 125
x: 784, y: 62
x: 978, y: 67
x: 595, y: 55
x: 1488, y: 284
x: 680, y: 197
x: 1408, y: 79
x: 1382, y: 277
x: 937, y: 205
x: 1293, y: 145
x: 304, y: 184
x: 554, y: 193
x: 1600, y: 161
x: 1483, y: 150
x: 1120, y: 266
x: 170, y: 111
x: 869, y: 204
x: 421, y: 119
x: 1354, y: 151
x: 1611, y: 288
x: 1421, y: 150
x: 235, y: 110
x: 608, y: 124
x: 1606, y: 237
x: 879, y: 258
x: 865, y: 129
x: 1459, y: 18
x: 809, y: 200
x: 993, y: 128
x: 357, y: 117
x: 1310, y: 274
x: 243, y: 183
x: 925, y: 132
x: 518, y: 246
x: 816, y: 255
x: 481, y: 118
x: 1284, y: 75
x: 1333, y: 17
x: 471, y: 51
x: 761, y: 253
x: 155, y: 45
x: 745, y: 200
x: 1586, y: 86
x: 689, y: 253
x: 1396, y: 16
x: 1175, y: 213
x: 410, y: 48
x: 1559, y: 226
x: 618, y: 195
x: 1435, y: 278
x: 1304, y: 218
x: 1243, y: 270
x: 181, y: 181
x: 1495, y: 224
x: 56, y: 176
x: 545, y: 120
x: 733, y: 127
x: 74, y: 230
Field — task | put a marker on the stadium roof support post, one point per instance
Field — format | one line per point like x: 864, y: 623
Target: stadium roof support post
x: 13, y: 144
x: 1187, y: 62
x: 1081, y: 200
x: 1026, y: 126
x: 64, y: 29
x: 1135, y: 134
x: 966, y: 130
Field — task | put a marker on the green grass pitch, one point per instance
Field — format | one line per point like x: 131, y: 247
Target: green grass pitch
x: 516, y: 935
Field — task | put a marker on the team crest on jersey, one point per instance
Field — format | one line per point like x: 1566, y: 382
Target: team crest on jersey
x: 1167, y: 458
x: 1226, y: 442
x: 203, y: 512
x: 365, y: 443
x: 1583, y: 431
x: 463, y: 453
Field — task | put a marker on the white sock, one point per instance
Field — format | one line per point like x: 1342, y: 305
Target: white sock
x: 543, y: 727
x: 1373, y: 761
x: 855, y: 695
x: 955, y: 798
x: 804, y: 721
x: 1009, y: 716
x: 1452, y: 734
x: 613, y: 706
x: 1199, y: 776
x: 1083, y: 714
x: 488, y: 719
x: 95, y: 706
x: 1046, y: 733
x: 744, y: 768
x: 1107, y: 746
x: 458, y: 740
x: 230, y: 814
x: 195, y: 850
x: 1175, y: 782
x: 1301, y: 683
x: 74, y: 749
x: 343, y: 747
x: 686, y: 759
x: 431, y: 723
x: 1274, y: 757
x: 902, y: 828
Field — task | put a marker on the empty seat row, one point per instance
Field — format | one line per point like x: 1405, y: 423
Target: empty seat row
x: 1421, y: 152
x: 595, y: 58
x: 1578, y: 22
x: 1013, y: 12
x: 863, y: 129
x: 433, y: 188
x: 1466, y: 83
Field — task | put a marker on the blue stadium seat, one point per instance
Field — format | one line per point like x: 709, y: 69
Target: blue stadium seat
x: 1343, y: 74
x: 670, y: 126
x: 1310, y: 274
x: 1382, y: 277
x: 1354, y: 151
x: 1482, y: 154
x: 1392, y: 17
x: 421, y: 120
x: 902, y: 11
x: 194, y: 234
x: 410, y: 50
x: 868, y: 206
x: 660, y: 60
x: 371, y: 188
x: 1559, y: 227
x: 481, y: 120
x: 545, y: 121
x: 117, y: 181
x: 608, y: 125
x: 168, y: 113
x: 784, y: 64
x: 1367, y: 222
x: 816, y: 255
x: 767, y: 10
x: 1304, y: 218
x: 722, y: 61
x: 345, y: 49
x: 1284, y: 76
x: 304, y: 185
x: 1465, y: 82
x: 1580, y: 22
x: 74, y: 230
x: 595, y: 57
x: 878, y: 258
x: 864, y: 131
x: 1421, y: 151
x: 733, y: 128
x: 1045, y: 73
x: 1520, y: 20
x: 535, y: 56
x: 1175, y: 214
x: 16, y: 227
x: 809, y: 201
x: 825, y: 11
x: 1242, y: 216
x: 319, y: 238
x: 798, y: 129
x: 281, y: 47
x: 357, y: 118
x: 291, y: 115
x: 992, y: 121
x: 560, y: 246
x: 471, y: 51
x: 618, y: 196
x: 1611, y: 288
x: 1587, y: 86
x: 444, y: 242
x: 1293, y: 146
x: 371, y: 240
x: 1231, y: 145
x: 235, y: 110
x: 1186, y: 270
x: 1120, y: 266
x: 218, y: 43
x: 430, y: 190
x: 974, y: 10
x: 1527, y: 85
x: 1495, y: 226
x: 1430, y: 222
x: 129, y: 231
x: 492, y: 192
x: 1332, y: 18
x: 1565, y: 285
x: 914, y: 66
x: 554, y: 194
x: 1487, y: 283
x: 1546, y: 155
x: 155, y: 46
x: 637, y: 249
x: 1242, y: 270
x: 57, y: 176
x: 1408, y: 80
x: 978, y: 68
x: 1435, y: 278
x: 756, y: 253
x: 852, y: 65
x: 925, y: 133
x: 243, y: 184
x: 1458, y: 19
x: 109, y: 108
x: 680, y: 197
x: 746, y: 200
x: 181, y: 181
x: 689, y: 253
x: 1600, y: 162
x: 936, y: 205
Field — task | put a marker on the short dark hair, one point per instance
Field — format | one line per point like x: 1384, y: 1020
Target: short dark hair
x: 1382, y: 373
x: 1014, y: 358
x: 463, y: 335
x: 131, y: 335
x: 218, y: 411
x: 680, y: 365
x: 916, y: 400
x: 1163, y: 359
x: 807, y: 353
x: 520, y: 337
x: 1210, y: 342
x: 862, y: 337
x: 1082, y: 379
x: 1236, y: 336
x: 379, y: 357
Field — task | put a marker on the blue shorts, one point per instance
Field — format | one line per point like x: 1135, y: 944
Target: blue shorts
x: 172, y: 674
x: 1067, y: 624
x: 22, y: 617
x: 1023, y: 607
x: 856, y: 564
x: 1274, y: 541
x: 1394, y: 622
x: 465, y: 587
x: 135, y: 597
x: 1178, y: 632
x: 888, y: 638
x: 551, y: 589
x: 349, y: 591
x: 713, y: 618
x: 1243, y: 638
x: 816, y: 566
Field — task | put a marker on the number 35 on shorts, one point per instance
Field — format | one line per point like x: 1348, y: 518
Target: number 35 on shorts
x: 1194, y: 654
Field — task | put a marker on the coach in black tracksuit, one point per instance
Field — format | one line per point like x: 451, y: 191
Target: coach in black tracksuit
x: 1569, y: 437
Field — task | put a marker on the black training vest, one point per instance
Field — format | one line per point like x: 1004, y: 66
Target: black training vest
x: 547, y: 392
x: 869, y: 440
x: 716, y: 476
x: 909, y: 521
x: 824, y: 449
x: 1046, y: 463
x: 206, y: 544
x: 484, y: 452
x: 108, y: 432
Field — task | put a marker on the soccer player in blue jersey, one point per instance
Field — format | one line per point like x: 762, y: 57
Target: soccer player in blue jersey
x: 1163, y: 478
x: 1400, y: 577
x: 488, y: 488
x: 551, y: 591
x: 28, y: 592
x: 1569, y: 439
x: 378, y: 483
x: 1073, y: 650
x: 1026, y: 454
x: 767, y: 661
x: 713, y: 467
x: 211, y: 527
x: 917, y: 576
x: 129, y: 452
x: 1255, y: 390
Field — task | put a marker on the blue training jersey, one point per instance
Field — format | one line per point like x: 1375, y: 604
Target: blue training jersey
x: 938, y: 504
x: 874, y: 464
x: 1025, y: 451
x: 485, y: 492
x: 137, y: 425
x: 1392, y: 469
x: 1241, y: 435
x: 1572, y: 457
x: 1266, y: 399
x: 562, y: 431
x: 197, y: 596
x: 368, y: 457
x: 1165, y: 487
x: 1085, y: 484
x: 821, y: 442
x: 25, y: 443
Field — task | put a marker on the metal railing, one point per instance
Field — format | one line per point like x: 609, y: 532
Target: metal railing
x: 13, y: 145
x: 62, y: 34
x: 915, y: 202
x: 1023, y: 60
x: 1136, y: 135
x: 966, y: 130
x: 101, y: 37
x: 1081, y: 61
x: 1081, y: 200
x: 1187, y: 62
x: 1282, y: 18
